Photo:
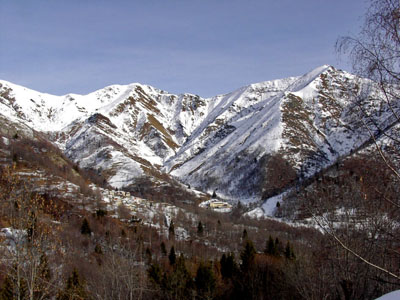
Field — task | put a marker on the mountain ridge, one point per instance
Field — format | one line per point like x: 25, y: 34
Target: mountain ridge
x: 223, y: 143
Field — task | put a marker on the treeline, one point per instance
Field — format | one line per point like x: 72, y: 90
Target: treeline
x: 252, y: 276
x: 73, y: 253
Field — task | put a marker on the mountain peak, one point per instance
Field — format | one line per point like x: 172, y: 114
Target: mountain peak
x: 219, y: 143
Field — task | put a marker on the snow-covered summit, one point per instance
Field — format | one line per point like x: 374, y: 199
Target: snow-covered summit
x: 220, y: 143
x: 47, y: 112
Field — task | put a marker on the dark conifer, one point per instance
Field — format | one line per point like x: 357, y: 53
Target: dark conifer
x: 289, y: 253
x: 228, y: 265
x: 171, y: 231
x: 172, y: 256
x: 85, y: 228
x: 74, y: 289
x: 205, y: 281
x: 278, y: 247
x: 248, y: 255
x: 180, y: 282
x: 155, y: 273
x: 149, y: 256
x: 97, y: 249
x: 200, y: 229
x: 163, y: 249
x: 270, y: 247
x: 244, y: 234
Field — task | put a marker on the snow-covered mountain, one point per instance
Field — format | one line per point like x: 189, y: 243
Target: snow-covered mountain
x: 224, y: 143
x: 125, y: 131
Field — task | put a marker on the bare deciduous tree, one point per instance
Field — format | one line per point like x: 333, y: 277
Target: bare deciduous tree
x: 375, y: 54
x: 30, y: 237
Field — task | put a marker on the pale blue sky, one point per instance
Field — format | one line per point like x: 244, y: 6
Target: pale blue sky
x: 203, y: 47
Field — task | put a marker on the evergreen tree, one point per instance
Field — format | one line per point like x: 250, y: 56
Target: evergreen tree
x: 200, y: 229
x: 289, y: 253
x: 248, y: 255
x: 171, y: 231
x: 74, y: 289
x: 163, y: 249
x: 278, y: 247
x: 179, y: 283
x: 270, y: 247
x: 244, y: 234
x: 222, y: 263
x: 172, y: 256
x: 149, y: 257
x: 97, y: 249
x: 155, y: 274
x: 85, y: 228
x: 205, y: 281
x: 228, y: 265
x: 101, y: 213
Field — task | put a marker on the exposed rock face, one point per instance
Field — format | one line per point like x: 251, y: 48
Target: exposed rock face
x: 224, y: 143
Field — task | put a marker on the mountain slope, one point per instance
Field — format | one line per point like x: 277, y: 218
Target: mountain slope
x: 310, y: 121
x: 232, y: 144
x: 134, y: 126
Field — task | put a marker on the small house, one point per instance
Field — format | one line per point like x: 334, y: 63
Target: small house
x: 220, y: 204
